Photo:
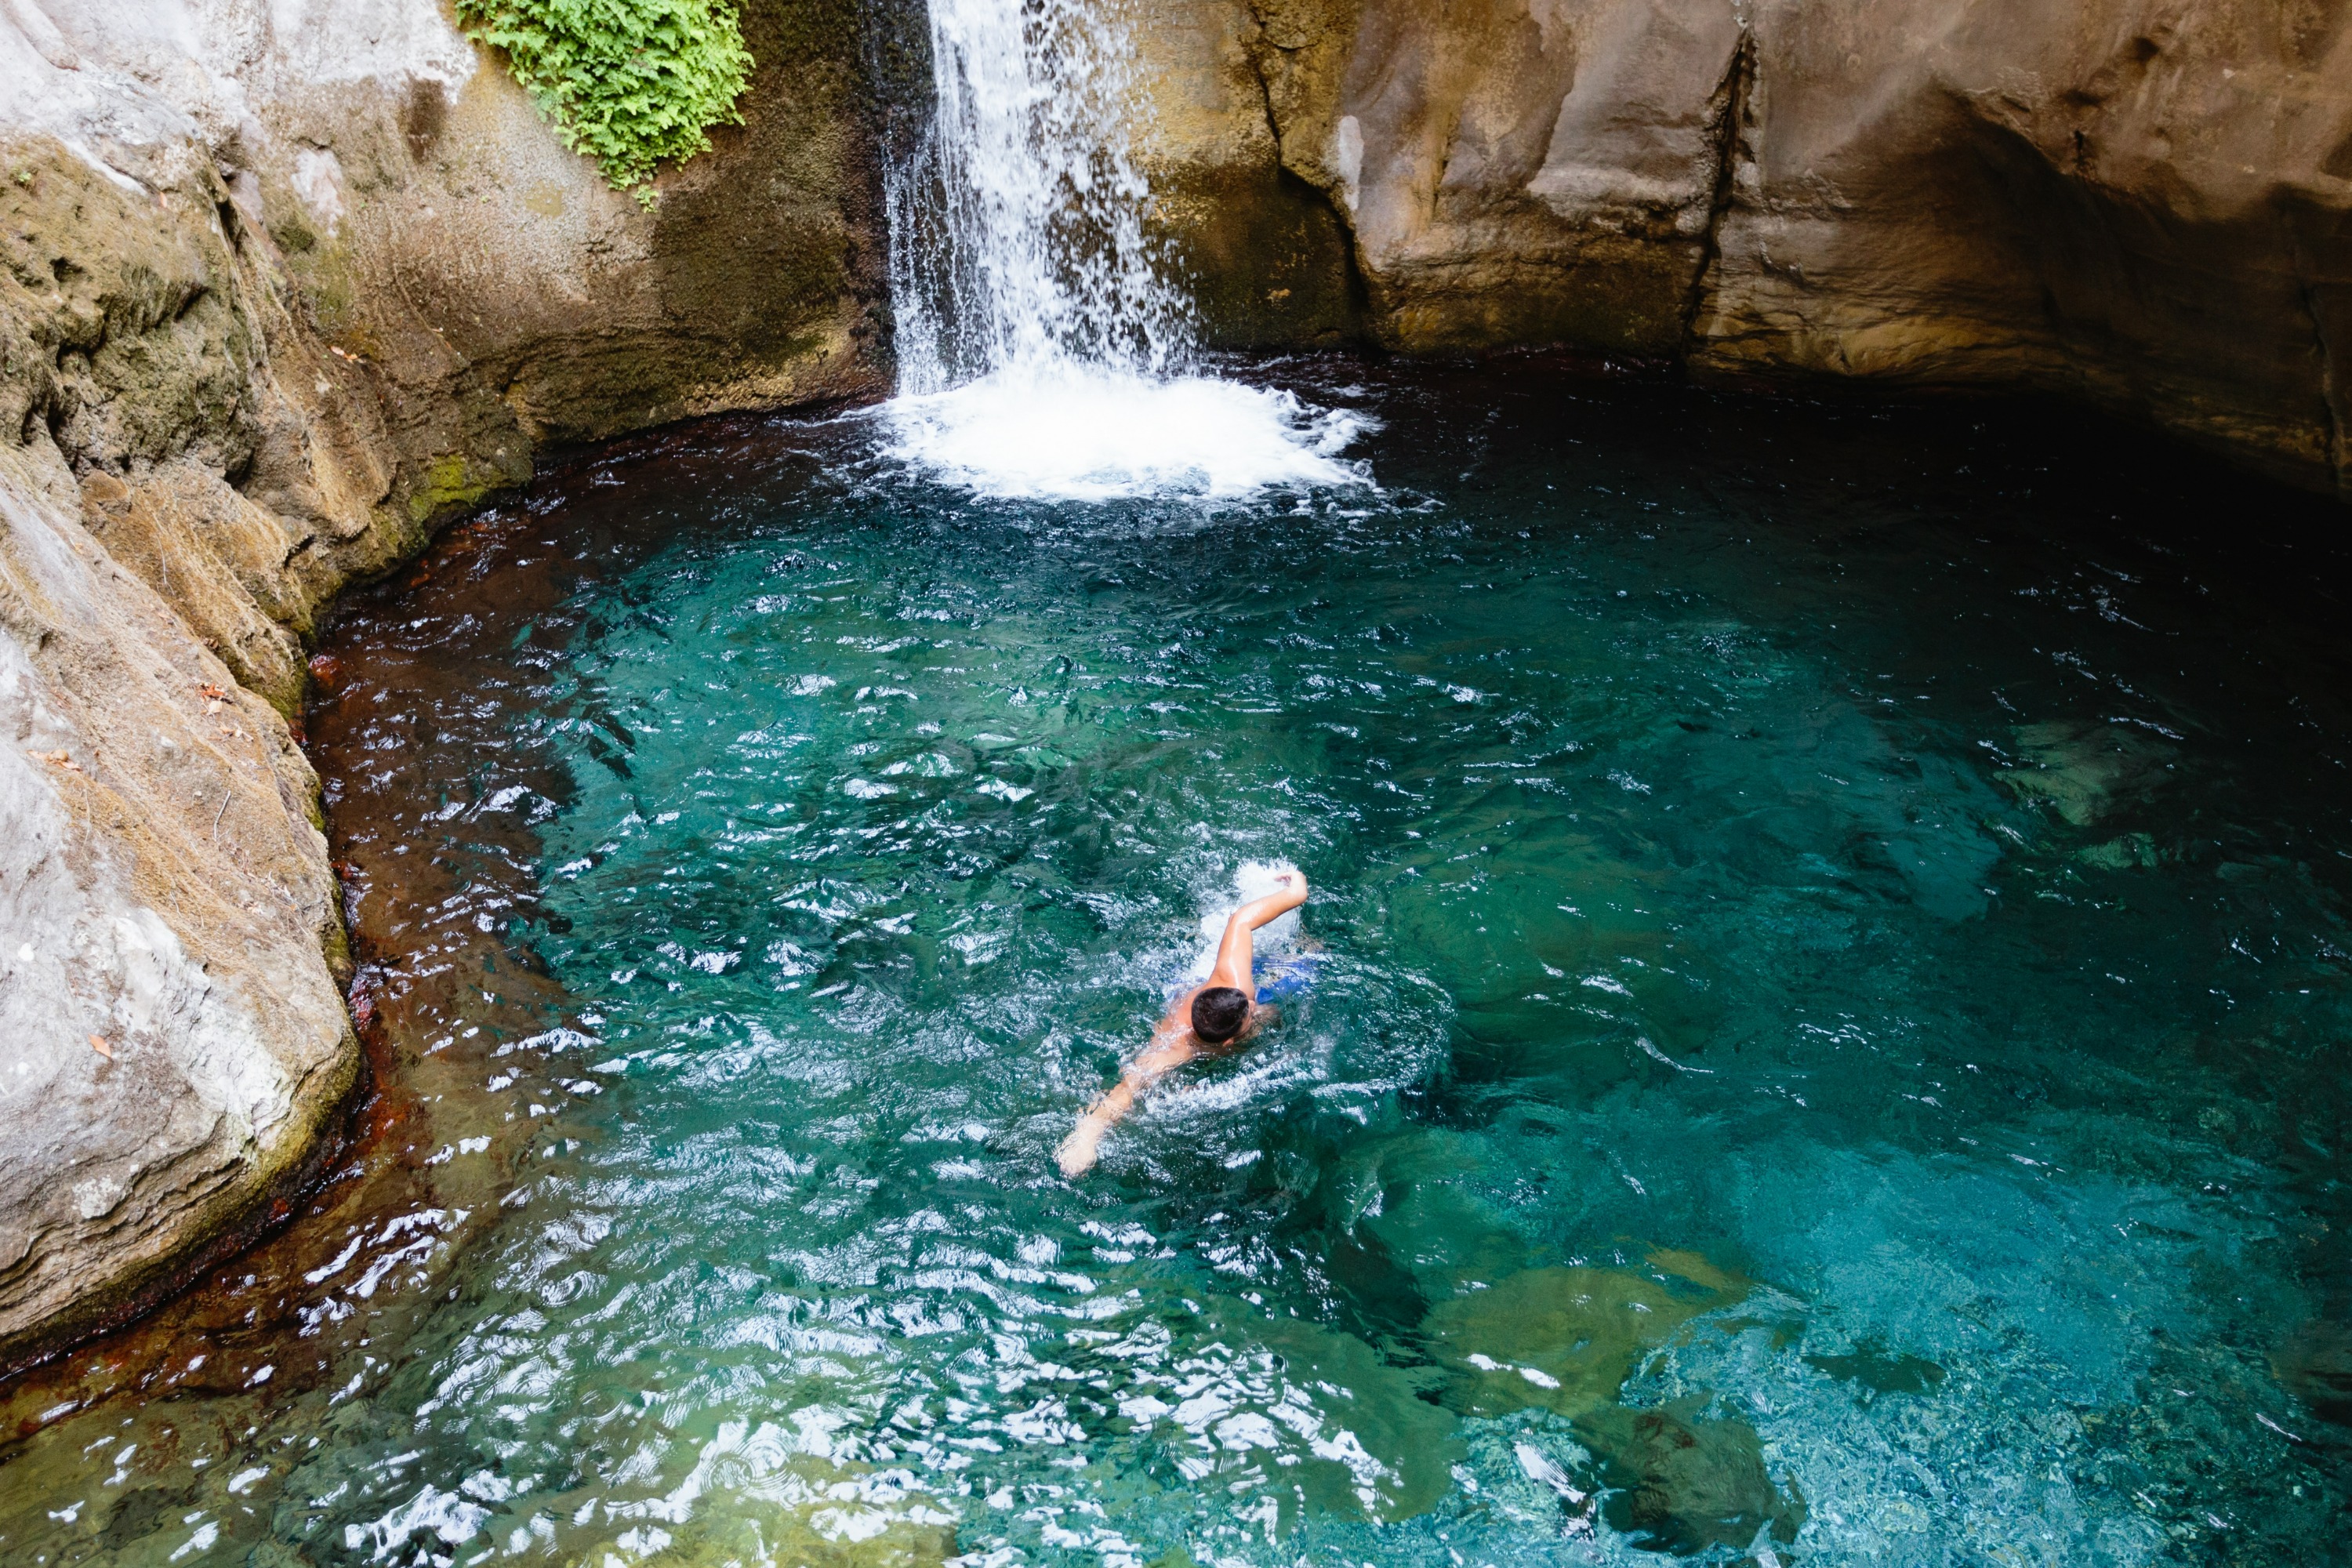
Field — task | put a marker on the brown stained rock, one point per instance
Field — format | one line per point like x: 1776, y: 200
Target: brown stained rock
x: 218, y: 560
x: 1682, y: 1480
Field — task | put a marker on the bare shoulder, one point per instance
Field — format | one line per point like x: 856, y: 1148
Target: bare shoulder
x: 1171, y: 1040
x: 1179, y: 1016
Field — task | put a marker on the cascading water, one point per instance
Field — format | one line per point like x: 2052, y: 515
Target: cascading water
x: 1042, y: 351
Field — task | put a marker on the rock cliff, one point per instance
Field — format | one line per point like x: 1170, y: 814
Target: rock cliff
x: 282, y: 289
x: 2144, y: 204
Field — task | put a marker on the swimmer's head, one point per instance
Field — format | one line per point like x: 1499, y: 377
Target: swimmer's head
x: 1219, y: 1013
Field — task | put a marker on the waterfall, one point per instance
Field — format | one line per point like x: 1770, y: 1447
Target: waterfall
x: 1043, y: 348
x: 1018, y: 229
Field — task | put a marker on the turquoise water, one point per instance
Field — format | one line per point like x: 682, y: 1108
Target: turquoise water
x: 1831, y: 1046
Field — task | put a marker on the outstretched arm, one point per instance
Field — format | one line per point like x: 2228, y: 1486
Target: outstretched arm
x: 1172, y: 1047
x: 1233, y: 954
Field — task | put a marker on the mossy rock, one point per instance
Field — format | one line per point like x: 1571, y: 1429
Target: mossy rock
x: 1565, y: 1339
x: 744, y: 1532
x: 455, y: 483
x: 1683, y: 1482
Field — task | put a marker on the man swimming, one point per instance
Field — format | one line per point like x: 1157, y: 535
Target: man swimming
x: 1208, y: 1020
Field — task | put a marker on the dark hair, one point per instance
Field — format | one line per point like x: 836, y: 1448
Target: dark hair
x: 1219, y: 1013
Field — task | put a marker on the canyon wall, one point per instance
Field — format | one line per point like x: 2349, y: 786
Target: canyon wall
x: 285, y: 288
x: 2141, y: 203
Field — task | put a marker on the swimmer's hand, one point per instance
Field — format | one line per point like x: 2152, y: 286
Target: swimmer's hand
x: 1289, y: 892
x: 1077, y: 1151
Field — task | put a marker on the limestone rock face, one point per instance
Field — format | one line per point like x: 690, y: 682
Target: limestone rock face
x: 2144, y: 203
x: 172, y: 1041
x: 1265, y: 253
x: 283, y: 288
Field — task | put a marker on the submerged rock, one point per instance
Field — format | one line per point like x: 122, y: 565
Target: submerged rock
x: 2083, y: 772
x: 1680, y: 1477
x: 1681, y: 1480
x: 2315, y: 1366
x: 1564, y: 1338
x: 1876, y: 1370
x: 811, y: 1515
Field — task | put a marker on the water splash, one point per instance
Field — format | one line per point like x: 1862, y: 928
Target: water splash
x: 1042, y: 351
x: 1071, y: 431
x: 1251, y: 879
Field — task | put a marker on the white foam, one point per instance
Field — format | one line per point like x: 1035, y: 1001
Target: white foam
x: 1253, y: 879
x: 1066, y: 431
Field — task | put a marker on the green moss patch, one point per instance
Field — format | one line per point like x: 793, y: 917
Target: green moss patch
x: 452, y: 483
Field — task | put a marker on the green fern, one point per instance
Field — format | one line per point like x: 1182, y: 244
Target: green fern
x: 627, y: 82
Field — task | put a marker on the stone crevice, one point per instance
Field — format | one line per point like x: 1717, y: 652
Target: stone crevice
x: 2331, y: 390
x: 1355, y: 282
x: 1732, y: 127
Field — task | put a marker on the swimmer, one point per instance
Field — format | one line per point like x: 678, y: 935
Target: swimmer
x: 1207, y: 1020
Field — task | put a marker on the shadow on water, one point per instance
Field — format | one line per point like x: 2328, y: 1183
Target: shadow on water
x: 1832, y: 1049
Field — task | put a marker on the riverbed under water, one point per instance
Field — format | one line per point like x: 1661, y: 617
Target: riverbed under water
x: 1831, y: 1046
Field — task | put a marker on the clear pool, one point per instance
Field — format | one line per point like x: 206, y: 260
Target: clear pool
x: 1832, y: 1048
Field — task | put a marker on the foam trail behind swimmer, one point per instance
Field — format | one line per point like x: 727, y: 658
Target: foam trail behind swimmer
x: 1253, y: 879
